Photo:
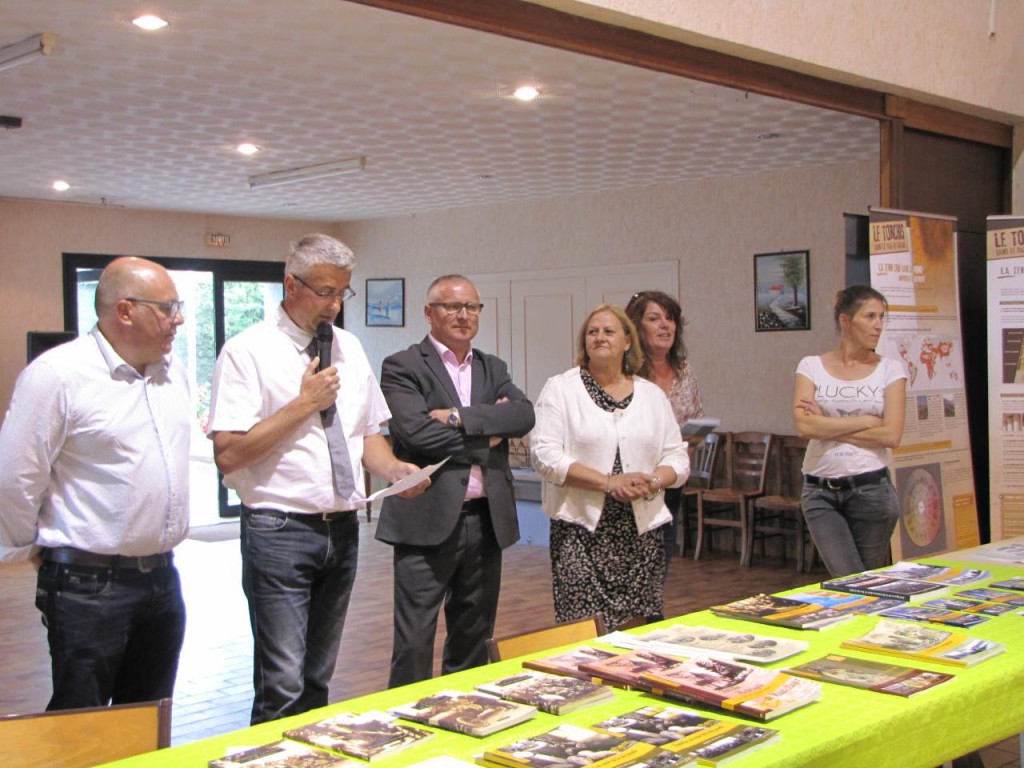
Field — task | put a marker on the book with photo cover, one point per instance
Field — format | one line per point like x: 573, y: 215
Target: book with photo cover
x: 625, y: 669
x: 937, y: 574
x: 917, y: 641
x: 780, y: 612
x: 844, y: 602
x: 555, y: 694
x: 475, y: 714
x: 935, y: 615
x: 578, y: 747
x: 366, y: 736
x: 874, y: 585
x: 568, y: 662
x: 966, y: 605
x: 870, y: 675
x: 682, y: 640
x: 1014, y: 582
x: 992, y: 595
x: 710, y: 740
x: 759, y: 693
x: 282, y: 754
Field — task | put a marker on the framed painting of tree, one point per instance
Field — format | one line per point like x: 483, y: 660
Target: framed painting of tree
x: 782, y: 293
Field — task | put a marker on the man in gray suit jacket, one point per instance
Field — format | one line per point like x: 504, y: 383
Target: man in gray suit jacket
x: 450, y: 400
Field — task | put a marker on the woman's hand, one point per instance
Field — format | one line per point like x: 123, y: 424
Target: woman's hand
x: 630, y: 486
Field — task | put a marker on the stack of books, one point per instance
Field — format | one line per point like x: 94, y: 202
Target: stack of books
x: 475, y: 714
x: 366, y: 736
x: 875, y: 585
x: 549, y: 693
x: 568, y: 662
x: 781, y: 612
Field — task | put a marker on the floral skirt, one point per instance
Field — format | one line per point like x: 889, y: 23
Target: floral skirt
x: 613, y: 570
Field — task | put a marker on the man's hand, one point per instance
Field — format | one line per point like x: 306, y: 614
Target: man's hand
x: 440, y: 414
x: 402, y: 469
x: 320, y: 389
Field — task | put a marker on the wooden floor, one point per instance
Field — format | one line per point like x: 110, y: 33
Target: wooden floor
x: 214, y: 691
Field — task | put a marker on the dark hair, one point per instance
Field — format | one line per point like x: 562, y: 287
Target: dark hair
x: 849, y: 299
x: 636, y: 309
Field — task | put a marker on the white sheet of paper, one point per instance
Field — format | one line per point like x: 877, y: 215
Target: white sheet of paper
x: 407, y: 482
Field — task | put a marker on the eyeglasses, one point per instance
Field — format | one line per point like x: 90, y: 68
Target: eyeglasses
x: 454, y: 307
x: 168, y: 308
x: 342, y: 295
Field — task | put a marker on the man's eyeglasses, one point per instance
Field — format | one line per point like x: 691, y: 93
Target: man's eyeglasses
x: 454, y: 307
x: 168, y: 308
x: 342, y: 296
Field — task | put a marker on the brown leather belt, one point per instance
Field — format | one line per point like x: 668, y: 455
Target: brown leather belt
x: 72, y: 556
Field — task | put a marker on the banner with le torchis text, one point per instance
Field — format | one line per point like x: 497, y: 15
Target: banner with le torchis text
x: 1006, y: 375
x: 914, y: 265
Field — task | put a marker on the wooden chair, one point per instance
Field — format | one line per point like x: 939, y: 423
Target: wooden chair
x: 549, y: 637
x: 729, y: 507
x: 778, y: 513
x: 82, y: 738
x: 702, y: 475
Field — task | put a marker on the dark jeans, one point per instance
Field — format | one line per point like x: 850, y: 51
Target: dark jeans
x: 464, y: 573
x: 297, y: 574
x: 851, y: 528
x: 114, y: 633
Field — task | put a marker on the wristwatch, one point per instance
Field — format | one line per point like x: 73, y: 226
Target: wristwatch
x: 454, y: 420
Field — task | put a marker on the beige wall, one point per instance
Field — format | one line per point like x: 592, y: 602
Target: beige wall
x: 938, y: 51
x: 714, y: 228
x: 34, y: 235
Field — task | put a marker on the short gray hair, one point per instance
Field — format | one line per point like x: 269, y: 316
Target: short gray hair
x: 316, y: 249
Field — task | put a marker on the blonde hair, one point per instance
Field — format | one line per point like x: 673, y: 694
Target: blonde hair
x: 634, y: 357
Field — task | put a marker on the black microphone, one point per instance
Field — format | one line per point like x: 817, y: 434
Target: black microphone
x: 324, y: 340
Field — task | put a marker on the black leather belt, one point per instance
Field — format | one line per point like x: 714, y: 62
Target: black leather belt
x: 300, y: 515
x: 72, y: 556
x: 849, y: 482
x: 475, y: 506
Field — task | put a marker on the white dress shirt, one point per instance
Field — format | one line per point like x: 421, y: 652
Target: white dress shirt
x: 571, y: 427
x: 258, y: 372
x: 94, y: 455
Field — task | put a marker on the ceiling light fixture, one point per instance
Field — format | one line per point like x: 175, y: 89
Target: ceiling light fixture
x: 247, y: 148
x: 61, y: 185
x: 34, y: 47
x: 526, y: 93
x: 308, y: 173
x: 149, y: 23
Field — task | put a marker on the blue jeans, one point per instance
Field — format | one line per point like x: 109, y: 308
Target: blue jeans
x: 297, y: 574
x: 114, y: 634
x: 851, y: 528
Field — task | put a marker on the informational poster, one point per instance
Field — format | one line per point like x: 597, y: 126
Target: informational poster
x: 1006, y: 375
x: 913, y: 264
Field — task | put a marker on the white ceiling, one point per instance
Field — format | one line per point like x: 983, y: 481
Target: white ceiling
x: 151, y: 120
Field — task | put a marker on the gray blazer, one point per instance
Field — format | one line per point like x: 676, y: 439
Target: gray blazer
x: 416, y: 382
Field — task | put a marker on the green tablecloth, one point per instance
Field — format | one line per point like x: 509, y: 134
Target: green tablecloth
x: 847, y: 728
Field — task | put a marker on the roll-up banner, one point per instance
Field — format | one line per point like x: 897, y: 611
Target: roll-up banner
x: 914, y: 265
x: 1006, y: 375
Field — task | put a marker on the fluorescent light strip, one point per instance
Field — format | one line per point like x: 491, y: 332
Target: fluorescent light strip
x: 34, y: 47
x: 307, y: 173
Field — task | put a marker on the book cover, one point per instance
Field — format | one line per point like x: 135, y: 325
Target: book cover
x: 728, y: 741
x: 760, y: 693
x: 475, y: 714
x: 555, y: 694
x: 1015, y: 583
x: 625, y: 669
x: 992, y: 595
x: 666, y: 727
x: 568, y: 662
x: 886, y: 586
x: 935, y: 615
x: 442, y: 761
x: 573, y: 746
x: 937, y: 574
x: 969, y: 606
x: 845, y: 602
x: 780, y: 612
x: 681, y: 640
x: 365, y: 736
x: 870, y: 675
x: 282, y: 754
x: 917, y: 641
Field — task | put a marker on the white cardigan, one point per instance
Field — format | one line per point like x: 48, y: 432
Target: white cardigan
x: 572, y: 428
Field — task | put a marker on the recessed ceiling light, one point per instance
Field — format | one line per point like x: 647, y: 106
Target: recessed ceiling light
x: 526, y: 93
x: 248, y: 149
x: 149, y: 23
x: 61, y: 186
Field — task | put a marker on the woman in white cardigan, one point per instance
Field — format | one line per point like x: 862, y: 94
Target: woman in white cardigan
x: 606, y: 444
